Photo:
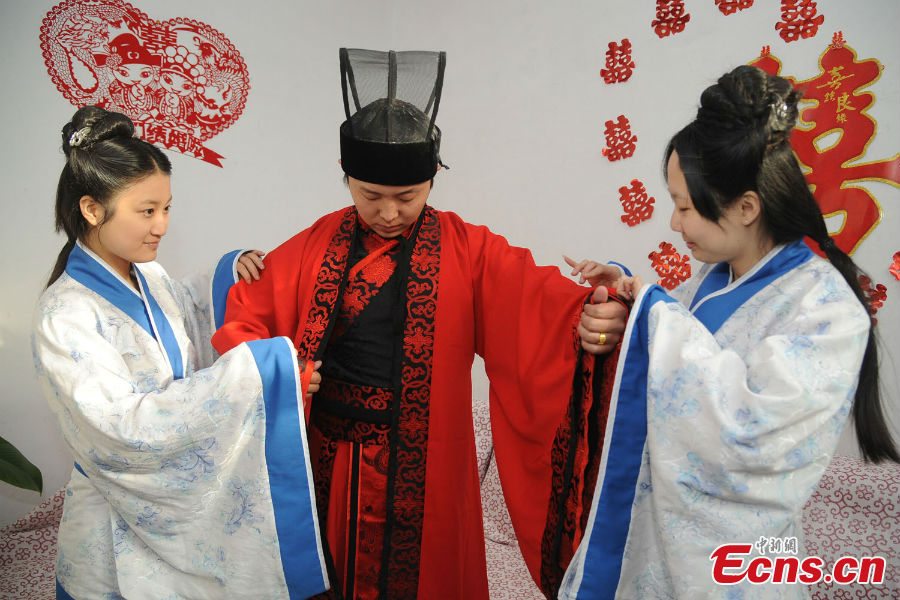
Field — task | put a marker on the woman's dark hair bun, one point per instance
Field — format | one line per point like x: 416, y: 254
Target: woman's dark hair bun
x: 94, y: 124
x: 748, y: 99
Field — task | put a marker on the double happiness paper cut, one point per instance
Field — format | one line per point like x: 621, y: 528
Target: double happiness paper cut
x: 838, y: 112
x: 619, y: 64
x: 670, y: 18
x: 181, y: 81
x: 620, y: 142
x: 673, y: 268
x: 636, y: 203
x: 799, y: 19
x: 877, y: 295
x: 729, y: 7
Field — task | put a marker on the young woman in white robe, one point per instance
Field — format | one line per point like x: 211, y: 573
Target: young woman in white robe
x: 191, y: 478
x: 731, y: 393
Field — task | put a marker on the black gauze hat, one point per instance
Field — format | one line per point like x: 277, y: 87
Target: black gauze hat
x: 391, y: 100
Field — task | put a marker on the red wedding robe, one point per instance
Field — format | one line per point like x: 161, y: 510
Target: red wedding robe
x: 468, y: 291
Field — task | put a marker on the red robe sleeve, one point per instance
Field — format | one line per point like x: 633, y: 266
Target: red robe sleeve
x: 542, y: 396
x: 274, y: 305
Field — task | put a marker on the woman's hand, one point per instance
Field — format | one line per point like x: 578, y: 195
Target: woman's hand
x: 250, y: 264
x: 593, y: 272
x: 628, y: 287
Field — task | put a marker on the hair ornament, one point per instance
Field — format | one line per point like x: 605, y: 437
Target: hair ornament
x: 780, y: 109
x: 77, y: 137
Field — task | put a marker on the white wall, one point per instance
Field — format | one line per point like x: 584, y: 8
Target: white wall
x: 523, y: 117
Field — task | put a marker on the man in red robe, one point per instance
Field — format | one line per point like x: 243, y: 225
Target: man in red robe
x: 395, y: 298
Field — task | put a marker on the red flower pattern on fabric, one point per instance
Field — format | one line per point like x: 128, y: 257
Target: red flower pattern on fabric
x: 379, y: 271
x: 417, y: 341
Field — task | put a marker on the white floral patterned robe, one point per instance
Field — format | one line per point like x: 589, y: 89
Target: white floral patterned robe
x: 191, y: 480
x: 727, y: 409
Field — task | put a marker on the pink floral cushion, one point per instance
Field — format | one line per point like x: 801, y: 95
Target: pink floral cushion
x: 855, y: 511
x: 508, y: 577
x: 484, y: 444
x: 497, y: 524
x: 28, y: 552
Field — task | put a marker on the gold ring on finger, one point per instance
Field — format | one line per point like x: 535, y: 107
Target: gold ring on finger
x: 602, y: 339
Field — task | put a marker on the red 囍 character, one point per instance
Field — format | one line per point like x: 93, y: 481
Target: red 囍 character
x: 673, y: 268
x: 619, y: 64
x: 877, y: 295
x: 727, y: 7
x: 799, y: 18
x: 620, y: 142
x: 837, y: 40
x: 840, y: 104
x: 670, y: 17
x: 637, y: 204
x: 895, y: 266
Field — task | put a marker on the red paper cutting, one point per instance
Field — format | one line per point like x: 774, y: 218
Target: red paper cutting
x: 619, y: 64
x: 670, y: 17
x: 637, y: 204
x: 673, y: 268
x: 895, y: 266
x: 799, y: 19
x: 620, y: 143
x: 839, y: 113
x: 180, y: 81
x: 877, y: 295
x: 727, y: 7
x: 837, y: 40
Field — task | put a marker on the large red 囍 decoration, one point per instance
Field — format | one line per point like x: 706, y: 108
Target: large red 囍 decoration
x: 832, y: 137
x: 181, y: 81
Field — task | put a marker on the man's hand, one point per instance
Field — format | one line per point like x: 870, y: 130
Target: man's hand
x: 602, y: 323
x: 315, y: 380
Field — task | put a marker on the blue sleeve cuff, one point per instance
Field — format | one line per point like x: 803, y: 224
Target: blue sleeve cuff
x: 224, y: 277
x: 621, y: 266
